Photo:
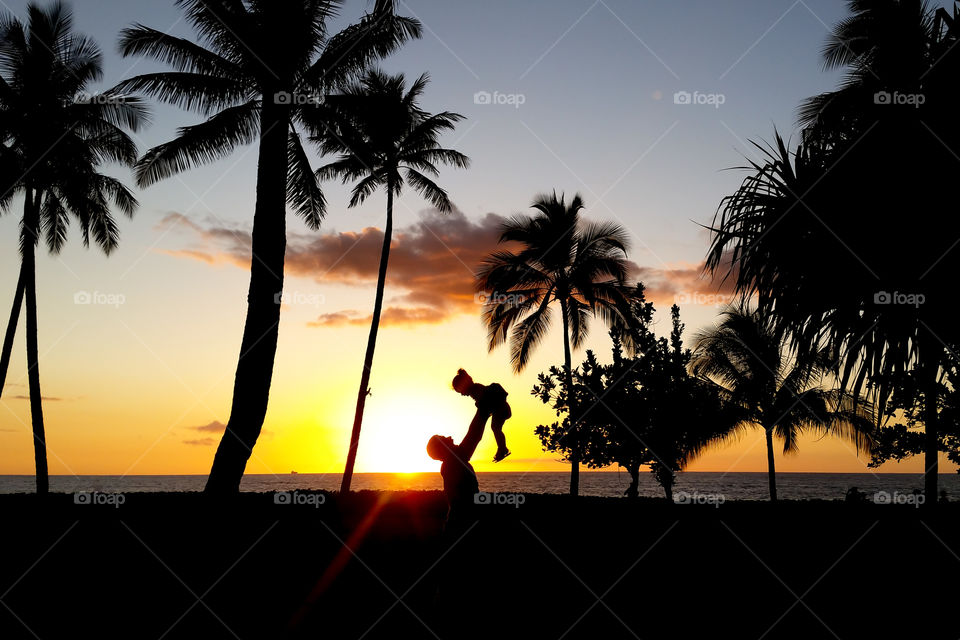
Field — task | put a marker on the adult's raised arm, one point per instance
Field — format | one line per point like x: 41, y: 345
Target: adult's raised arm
x: 470, y: 441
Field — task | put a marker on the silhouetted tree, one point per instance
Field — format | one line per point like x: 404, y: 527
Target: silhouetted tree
x: 907, y: 407
x: 810, y: 232
x: 652, y: 411
x: 56, y: 135
x: 561, y: 258
x: 748, y: 360
x: 259, y: 68
x: 384, y: 141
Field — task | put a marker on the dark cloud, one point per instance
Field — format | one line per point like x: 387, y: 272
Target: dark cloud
x: 432, y: 265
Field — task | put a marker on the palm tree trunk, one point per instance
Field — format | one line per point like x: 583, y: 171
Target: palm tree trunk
x: 11, y: 331
x: 668, y: 488
x: 931, y: 451
x: 258, y: 347
x: 371, y: 346
x: 28, y: 269
x: 634, y: 489
x: 771, y: 469
x: 571, y: 401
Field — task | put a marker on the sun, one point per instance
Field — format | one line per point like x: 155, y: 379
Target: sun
x: 396, y: 428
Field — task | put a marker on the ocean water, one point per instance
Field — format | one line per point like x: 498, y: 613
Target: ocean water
x: 732, y: 486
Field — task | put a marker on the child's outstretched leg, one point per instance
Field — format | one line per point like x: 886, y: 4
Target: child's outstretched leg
x: 496, y: 425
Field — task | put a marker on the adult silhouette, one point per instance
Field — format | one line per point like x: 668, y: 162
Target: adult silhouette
x: 459, y: 479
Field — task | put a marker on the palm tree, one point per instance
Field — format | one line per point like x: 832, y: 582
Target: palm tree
x: 885, y: 45
x: 55, y: 137
x: 259, y: 67
x: 384, y: 140
x: 819, y: 235
x: 561, y: 258
x: 747, y: 358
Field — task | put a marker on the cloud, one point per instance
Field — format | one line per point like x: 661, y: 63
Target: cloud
x: 432, y: 265
x: 391, y: 316
x: 217, y: 427
x: 432, y: 262
x: 23, y: 396
x: 214, y: 427
x: 685, y: 284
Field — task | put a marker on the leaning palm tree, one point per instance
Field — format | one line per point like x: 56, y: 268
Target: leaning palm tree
x: 259, y: 66
x: 56, y: 135
x: 561, y: 258
x: 748, y: 360
x: 384, y: 140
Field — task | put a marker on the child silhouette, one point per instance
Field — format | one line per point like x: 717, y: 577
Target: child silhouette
x: 491, y: 400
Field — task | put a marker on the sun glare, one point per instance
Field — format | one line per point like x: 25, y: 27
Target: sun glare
x: 397, y: 427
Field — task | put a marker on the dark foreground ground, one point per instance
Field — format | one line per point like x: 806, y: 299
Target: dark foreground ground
x: 374, y: 565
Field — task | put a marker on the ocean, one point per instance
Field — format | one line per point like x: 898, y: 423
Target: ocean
x: 692, y: 486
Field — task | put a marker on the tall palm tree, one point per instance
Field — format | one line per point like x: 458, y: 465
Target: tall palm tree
x: 561, y: 258
x: 259, y: 66
x: 820, y: 235
x: 56, y: 135
x: 384, y: 140
x: 747, y: 358
x: 884, y: 45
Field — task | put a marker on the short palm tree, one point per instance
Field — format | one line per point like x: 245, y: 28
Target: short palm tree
x: 560, y: 258
x: 747, y: 358
x: 56, y: 135
x: 384, y: 140
x: 259, y: 67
